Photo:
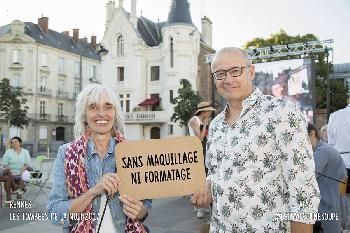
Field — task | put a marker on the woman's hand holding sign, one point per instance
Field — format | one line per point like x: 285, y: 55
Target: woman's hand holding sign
x: 109, y: 183
x: 134, y: 209
x: 203, y: 198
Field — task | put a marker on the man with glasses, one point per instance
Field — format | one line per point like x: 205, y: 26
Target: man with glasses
x: 259, y: 157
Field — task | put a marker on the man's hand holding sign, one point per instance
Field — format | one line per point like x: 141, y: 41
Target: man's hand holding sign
x: 152, y: 169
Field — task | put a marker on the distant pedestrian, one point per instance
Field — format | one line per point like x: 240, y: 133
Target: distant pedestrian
x: 331, y: 175
x: 338, y: 132
x: 198, y: 126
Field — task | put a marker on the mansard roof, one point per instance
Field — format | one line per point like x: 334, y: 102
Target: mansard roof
x: 56, y: 40
x: 150, y: 31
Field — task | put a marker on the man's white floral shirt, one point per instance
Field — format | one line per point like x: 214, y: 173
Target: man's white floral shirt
x: 260, y: 167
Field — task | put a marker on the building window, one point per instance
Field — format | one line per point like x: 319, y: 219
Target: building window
x: 44, y: 59
x: 170, y: 129
x: 155, y: 107
x: 61, y: 65
x: 120, y: 73
x: 16, y: 56
x: 42, y: 132
x: 93, y: 72
x: 42, y: 108
x: 16, y: 80
x: 154, y: 73
x: 77, y: 69
x: 125, y: 102
x: 43, y: 84
x: 120, y: 46
x: 76, y: 88
x: 171, y: 52
x: 15, y: 131
x: 171, y: 96
x: 60, y: 109
x: 60, y: 87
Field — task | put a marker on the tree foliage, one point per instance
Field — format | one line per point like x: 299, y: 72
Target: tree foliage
x: 185, y: 103
x: 12, y: 107
x: 282, y: 38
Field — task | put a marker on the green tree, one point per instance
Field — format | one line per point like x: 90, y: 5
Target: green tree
x: 12, y: 107
x: 185, y: 103
x: 282, y: 38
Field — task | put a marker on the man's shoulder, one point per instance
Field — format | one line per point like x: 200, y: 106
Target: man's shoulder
x: 217, y: 118
x: 341, y: 112
x: 278, y: 105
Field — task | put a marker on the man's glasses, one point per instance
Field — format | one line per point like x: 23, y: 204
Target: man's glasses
x: 234, y: 72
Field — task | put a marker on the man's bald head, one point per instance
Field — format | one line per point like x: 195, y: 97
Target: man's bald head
x: 233, y: 51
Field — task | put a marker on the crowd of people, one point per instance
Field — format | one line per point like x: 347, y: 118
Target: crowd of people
x: 267, y: 169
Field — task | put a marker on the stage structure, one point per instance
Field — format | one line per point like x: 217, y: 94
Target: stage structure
x: 305, y: 50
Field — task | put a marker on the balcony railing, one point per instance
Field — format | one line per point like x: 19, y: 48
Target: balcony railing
x: 146, y: 117
x: 44, y: 91
x: 38, y: 116
x: 61, y: 118
x: 62, y: 95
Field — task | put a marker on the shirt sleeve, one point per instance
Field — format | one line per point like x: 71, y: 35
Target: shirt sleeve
x: 6, y: 158
x: 27, y: 158
x: 330, y: 131
x: 298, y: 168
x: 321, y: 161
x: 59, y: 203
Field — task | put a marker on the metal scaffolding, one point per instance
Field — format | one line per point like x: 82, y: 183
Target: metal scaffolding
x: 307, y: 48
x: 278, y: 51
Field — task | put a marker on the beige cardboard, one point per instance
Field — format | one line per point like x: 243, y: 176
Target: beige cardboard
x: 131, y: 154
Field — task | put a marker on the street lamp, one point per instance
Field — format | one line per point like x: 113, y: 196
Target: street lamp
x: 103, y: 51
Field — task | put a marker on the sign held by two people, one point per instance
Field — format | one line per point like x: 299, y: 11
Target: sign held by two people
x: 154, y: 168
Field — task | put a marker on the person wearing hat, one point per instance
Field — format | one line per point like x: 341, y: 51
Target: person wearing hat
x: 198, y: 126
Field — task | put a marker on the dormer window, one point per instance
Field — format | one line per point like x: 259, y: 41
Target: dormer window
x: 44, y: 59
x: 16, y: 56
x: 120, y: 46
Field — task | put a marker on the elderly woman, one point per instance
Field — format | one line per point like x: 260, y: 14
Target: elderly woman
x: 85, y: 171
x: 17, y: 160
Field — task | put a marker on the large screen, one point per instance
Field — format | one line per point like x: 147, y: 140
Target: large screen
x: 288, y: 79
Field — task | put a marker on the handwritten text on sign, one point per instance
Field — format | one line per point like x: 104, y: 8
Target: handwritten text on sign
x: 160, y: 168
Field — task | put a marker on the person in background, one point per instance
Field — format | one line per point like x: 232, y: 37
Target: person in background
x: 259, y: 157
x: 17, y: 160
x: 198, y: 126
x: 323, y: 132
x: 331, y: 175
x: 85, y: 175
x: 338, y: 132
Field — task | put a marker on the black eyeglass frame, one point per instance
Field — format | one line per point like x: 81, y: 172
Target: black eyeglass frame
x: 229, y: 70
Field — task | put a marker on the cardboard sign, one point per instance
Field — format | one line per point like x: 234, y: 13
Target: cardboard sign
x: 158, y: 168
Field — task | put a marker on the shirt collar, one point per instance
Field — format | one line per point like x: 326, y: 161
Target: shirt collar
x: 247, y: 102
x: 319, y: 144
x: 91, y: 148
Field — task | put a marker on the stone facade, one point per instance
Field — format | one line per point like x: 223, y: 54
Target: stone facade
x: 51, y: 68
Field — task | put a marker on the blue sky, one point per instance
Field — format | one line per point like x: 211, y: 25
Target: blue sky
x: 234, y: 21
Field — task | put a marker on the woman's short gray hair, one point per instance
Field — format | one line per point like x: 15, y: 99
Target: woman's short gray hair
x: 91, y: 94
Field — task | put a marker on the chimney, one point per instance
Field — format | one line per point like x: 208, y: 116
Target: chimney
x: 76, y: 35
x: 207, y: 30
x: 93, y: 42
x: 133, y: 8
x: 65, y: 33
x: 133, y: 17
x: 43, y: 22
x: 110, y: 8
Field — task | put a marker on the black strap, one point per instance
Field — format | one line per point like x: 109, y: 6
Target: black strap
x: 331, y: 178
x: 103, y: 214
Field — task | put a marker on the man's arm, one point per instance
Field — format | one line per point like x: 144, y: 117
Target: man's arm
x: 298, y: 227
